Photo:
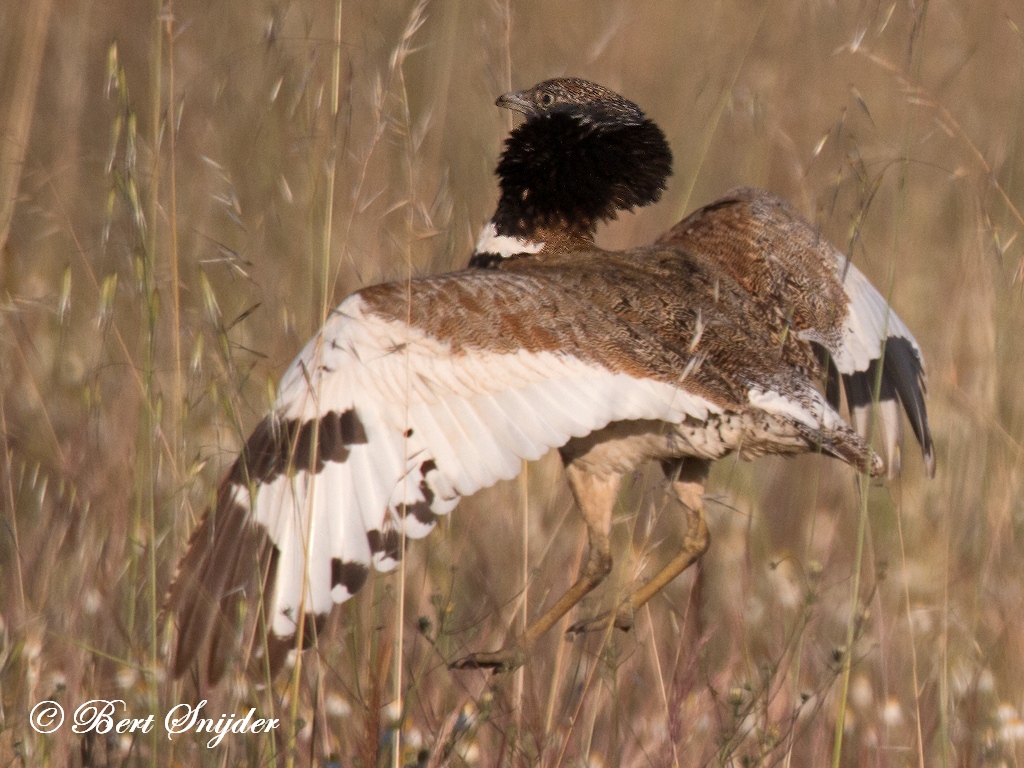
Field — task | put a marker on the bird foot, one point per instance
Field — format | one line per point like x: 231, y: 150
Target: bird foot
x: 506, y: 660
x: 621, y: 618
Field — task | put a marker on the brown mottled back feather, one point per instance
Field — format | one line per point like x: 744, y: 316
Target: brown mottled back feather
x: 783, y: 263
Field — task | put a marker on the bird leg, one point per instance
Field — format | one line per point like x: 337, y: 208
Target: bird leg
x: 688, y: 477
x: 596, y: 497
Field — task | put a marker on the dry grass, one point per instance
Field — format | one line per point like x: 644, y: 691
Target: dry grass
x: 191, y: 202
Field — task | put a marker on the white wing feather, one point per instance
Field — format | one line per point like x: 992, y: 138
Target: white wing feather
x: 868, y: 323
x: 438, y: 425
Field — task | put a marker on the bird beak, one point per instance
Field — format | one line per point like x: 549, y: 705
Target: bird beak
x: 517, y: 101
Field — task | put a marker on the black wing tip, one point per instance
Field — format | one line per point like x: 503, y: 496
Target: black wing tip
x: 904, y: 369
x: 903, y: 382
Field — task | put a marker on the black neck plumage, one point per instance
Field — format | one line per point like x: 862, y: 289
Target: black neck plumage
x: 571, y: 171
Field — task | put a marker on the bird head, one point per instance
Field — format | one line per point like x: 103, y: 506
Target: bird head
x: 583, y: 154
x: 584, y: 101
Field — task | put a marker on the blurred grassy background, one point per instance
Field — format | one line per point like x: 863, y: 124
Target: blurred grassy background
x: 180, y: 206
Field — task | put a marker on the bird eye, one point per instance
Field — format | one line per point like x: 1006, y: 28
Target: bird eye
x: 546, y: 99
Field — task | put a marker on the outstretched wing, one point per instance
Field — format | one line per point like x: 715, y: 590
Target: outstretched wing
x: 787, y: 266
x: 381, y: 427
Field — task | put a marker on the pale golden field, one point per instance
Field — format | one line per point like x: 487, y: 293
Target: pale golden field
x: 184, y: 192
